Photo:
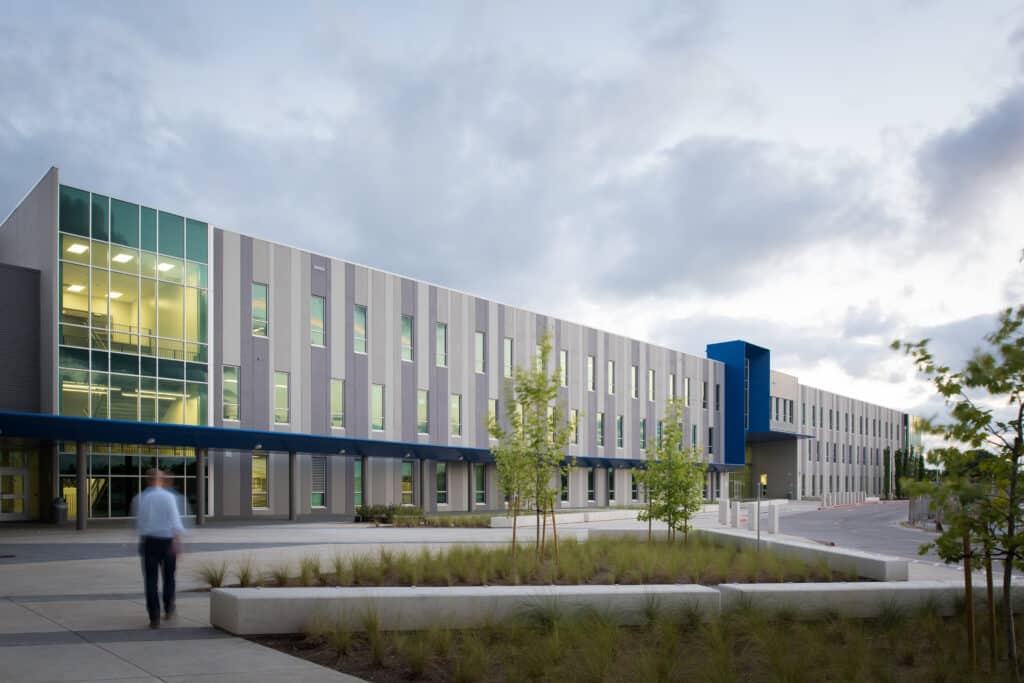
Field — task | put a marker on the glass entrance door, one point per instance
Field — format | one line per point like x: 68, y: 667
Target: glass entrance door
x: 13, y: 493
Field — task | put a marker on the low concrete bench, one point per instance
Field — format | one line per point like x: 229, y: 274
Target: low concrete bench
x: 253, y: 611
x: 856, y: 600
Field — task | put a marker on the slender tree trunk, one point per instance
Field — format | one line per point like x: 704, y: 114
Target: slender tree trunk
x: 543, y: 528
x: 554, y: 534
x: 536, y: 538
x: 990, y: 603
x: 972, y: 647
x: 515, y: 542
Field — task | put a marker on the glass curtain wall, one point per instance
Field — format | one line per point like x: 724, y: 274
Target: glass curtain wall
x: 133, y: 337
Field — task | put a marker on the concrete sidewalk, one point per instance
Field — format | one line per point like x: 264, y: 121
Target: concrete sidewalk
x: 103, y: 638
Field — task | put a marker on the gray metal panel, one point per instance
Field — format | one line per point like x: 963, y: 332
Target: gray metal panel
x: 19, y: 339
x: 357, y: 383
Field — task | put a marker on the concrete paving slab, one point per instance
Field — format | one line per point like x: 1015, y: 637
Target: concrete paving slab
x: 78, y: 662
x: 216, y: 656
x: 15, y: 618
x: 86, y: 615
x: 320, y: 675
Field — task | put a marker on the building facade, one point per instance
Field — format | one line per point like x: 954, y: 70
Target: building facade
x: 139, y: 315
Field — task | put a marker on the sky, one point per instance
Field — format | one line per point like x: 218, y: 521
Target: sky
x: 820, y: 178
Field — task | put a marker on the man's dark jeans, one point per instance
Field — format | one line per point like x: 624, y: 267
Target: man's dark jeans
x: 156, y: 554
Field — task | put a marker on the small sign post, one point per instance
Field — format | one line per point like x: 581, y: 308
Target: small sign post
x: 763, y: 482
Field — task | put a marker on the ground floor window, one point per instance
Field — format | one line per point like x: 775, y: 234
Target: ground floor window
x: 357, y: 482
x: 634, y: 486
x: 442, y: 483
x: 407, y: 488
x: 479, y: 483
x: 611, y: 484
x: 260, y: 483
x: 591, y: 477
x: 565, y: 486
x: 318, y: 489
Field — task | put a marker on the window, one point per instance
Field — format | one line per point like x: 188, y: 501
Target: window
x: 508, y: 360
x: 634, y: 486
x: 672, y: 385
x: 600, y: 428
x: 686, y: 392
x: 359, y: 328
x: 711, y: 439
x: 590, y: 373
x: 704, y: 395
x: 318, y: 488
x: 260, y: 484
x: 280, y: 397
x: 574, y: 430
x: 611, y: 377
x: 565, y: 486
x: 260, y: 319
x: 803, y: 413
x: 563, y: 367
x: 538, y: 357
x: 660, y: 429
x: 407, y: 483
x: 357, y: 481
x: 455, y: 414
x: 814, y: 421
x: 643, y: 433
x: 479, y: 483
x: 422, y: 411
x: 830, y: 418
x: 611, y: 484
x: 619, y: 431
x: 441, y: 336
x: 633, y: 381
x: 693, y: 436
x: 316, y: 320
x: 650, y: 385
x: 407, y: 338
x: 492, y: 411
x: 718, y: 396
x: 591, y: 477
x: 480, y: 352
x: 337, y: 403
x: 377, y: 407
x: 442, y: 483
x: 551, y: 424
x: 229, y: 384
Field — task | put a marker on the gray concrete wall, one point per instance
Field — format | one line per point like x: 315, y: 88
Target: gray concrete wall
x: 19, y: 339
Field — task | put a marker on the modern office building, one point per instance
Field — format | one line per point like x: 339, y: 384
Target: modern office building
x: 271, y: 381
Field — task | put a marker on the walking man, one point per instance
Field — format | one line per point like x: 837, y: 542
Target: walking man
x: 160, y: 530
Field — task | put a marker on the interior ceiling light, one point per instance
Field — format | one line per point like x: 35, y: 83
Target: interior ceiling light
x: 164, y: 267
x: 122, y: 258
x: 115, y: 295
x: 76, y: 288
x: 78, y: 248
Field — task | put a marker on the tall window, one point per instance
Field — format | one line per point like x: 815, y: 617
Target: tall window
x: 611, y: 484
x: 686, y: 391
x: 634, y: 487
x: 260, y: 319
x: 260, y: 484
x: 693, y: 436
x: 711, y: 439
x: 660, y: 429
x: 718, y: 396
x: 281, y: 397
x: 337, y: 403
x: 480, y: 352
x: 407, y: 482
x: 650, y: 385
x: 672, y: 385
x: 377, y: 407
x: 441, y: 335
x: 359, y: 328
x: 591, y: 484
x: 455, y: 414
x: 565, y: 487
x: 538, y: 358
x: 611, y: 377
x: 316, y: 320
x: 600, y: 428
x: 563, y: 367
x: 803, y: 413
x: 704, y: 394
x: 643, y: 432
x: 407, y: 338
x: 422, y: 411
x: 590, y: 373
x: 442, y: 483
x: 508, y: 360
x: 479, y: 483
x: 318, y: 486
x: 574, y: 430
x: 633, y: 381
x: 229, y: 385
x: 357, y: 481
x: 492, y: 410
x: 619, y: 431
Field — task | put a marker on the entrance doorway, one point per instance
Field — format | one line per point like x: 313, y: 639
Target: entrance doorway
x: 14, y: 485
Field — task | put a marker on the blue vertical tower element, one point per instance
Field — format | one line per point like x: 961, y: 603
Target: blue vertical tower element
x: 746, y: 404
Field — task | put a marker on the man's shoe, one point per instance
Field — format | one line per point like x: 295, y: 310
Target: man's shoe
x: 169, y: 614
x: 154, y: 623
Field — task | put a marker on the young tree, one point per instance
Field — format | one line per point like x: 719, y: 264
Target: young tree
x: 674, y: 477
x: 531, y: 448
x: 992, y: 377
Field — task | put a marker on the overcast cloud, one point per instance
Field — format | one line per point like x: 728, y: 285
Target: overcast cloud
x: 815, y: 181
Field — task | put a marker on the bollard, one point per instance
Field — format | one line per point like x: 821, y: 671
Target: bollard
x: 735, y: 515
x: 773, y: 519
x: 723, y: 511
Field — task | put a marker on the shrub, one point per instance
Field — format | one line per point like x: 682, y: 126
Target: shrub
x: 342, y: 575
x: 309, y: 570
x: 281, y: 574
x: 213, y: 573
x: 247, y: 574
